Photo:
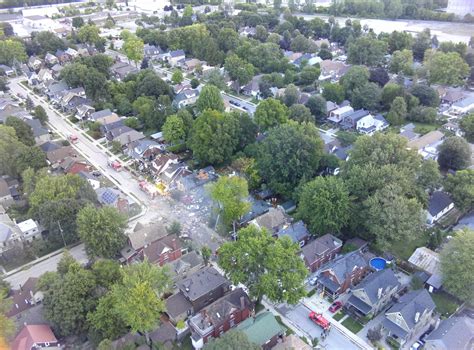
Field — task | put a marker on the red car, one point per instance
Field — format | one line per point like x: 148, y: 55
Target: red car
x: 320, y: 320
x: 335, y: 306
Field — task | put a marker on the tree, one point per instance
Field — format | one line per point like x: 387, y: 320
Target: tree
x: 107, y: 273
x: 232, y: 340
x: 325, y: 205
x: 308, y: 75
x: 379, y: 75
x: 194, y: 83
x: 333, y: 92
x: 132, y: 122
x: 429, y: 177
x: 177, y: 77
x: 239, y: 69
x: 402, y: 62
x: 40, y: 114
x: 216, y: 79
x: 423, y: 114
x: 214, y: 137
x: 270, y: 113
x: 457, y: 265
x: 77, y: 22
x: 102, y: 231
x: 290, y: 154
x: 23, y: 131
x: 399, y: 41
x: 454, y: 153
x: 206, y: 253
x: 446, y: 68
x: 116, y: 147
x: 461, y: 188
x: 7, y: 325
x: 467, y: 126
x: 291, y: 95
x: 389, y: 92
x: 11, y: 51
x: 392, y: 217
x: 398, y: 111
x: 421, y: 44
x: 267, y: 266
x: 174, y: 130
x: 367, y: 51
x: 89, y: 34
x: 300, y: 113
x: 210, y: 98
x: 230, y: 193
x: 367, y: 96
x: 133, y: 48
x: 356, y: 77
x: 317, y: 106
x: 426, y: 95
x: 138, y: 299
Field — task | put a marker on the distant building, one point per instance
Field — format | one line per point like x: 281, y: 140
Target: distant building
x: 461, y: 7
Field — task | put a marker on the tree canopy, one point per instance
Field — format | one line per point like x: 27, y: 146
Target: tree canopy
x: 232, y: 340
x: 270, y: 113
x: 454, y: 153
x: 210, y: 98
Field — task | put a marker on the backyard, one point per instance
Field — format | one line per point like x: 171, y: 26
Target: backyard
x: 445, y: 304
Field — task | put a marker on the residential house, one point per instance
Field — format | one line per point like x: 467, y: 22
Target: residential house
x: 45, y: 75
x: 29, y: 230
x: 461, y: 107
x: 55, y: 89
x: 178, y: 308
x: 203, y: 287
x: 49, y: 146
x: 34, y: 337
x: 185, y: 98
x: 332, y: 70
x: 144, y: 149
x: 92, y: 180
x: 111, y: 197
x: 192, y: 63
x: 40, y: 133
x: 71, y: 53
x: 50, y: 59
x: 252, y: 88
x: 121, y: 69
x: 362, y: 121
x: 409, y: 317
x: 74, y: 98
x: 439, y: 204
x: 34, y: 63
x: 308, y: 58
x: 263, y: 330
x: 74, y: 165
x: 175, y: 58
x: 109, y: 126
x: 297, y: 232
x: 84, y: 111
x: 25, y: 297
x: 5, y: 194
x: 196, y: 179
x: 124, y: 135
x: 186, y: 265
x: 292, y: 342
x: 452, y: 96
x: 428, y: 261
x: 163, y: 337
x: 32, y: 78
x: 10, y: 235
x: 258, y: 208
x: 273, y: 220
x: 55, y: 156
x: 151, y: 51
x: 139, y: 238
x: 452, y: 333
x: 104, y: 116
x: 163, y: 250
x: 342, y: 273
x: 56, y: 70
x: 427, y: 145
x: 320, y: 251
x: 163, y: 161
x: 373, y: 293
x: 220, y: 316
x: 6, y: 70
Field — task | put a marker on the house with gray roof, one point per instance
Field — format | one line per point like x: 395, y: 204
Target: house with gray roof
x: 452, y: 333
x: 409, y: 317
x: 10, y: 234
x: 143, y: 149
x: 185, y: 98
x: 185, y: 266
x: 40, y: 133
x: 297, y: 232
x: 371, y: 295
x: 439, y: 204
x: 5, y: 194
x: 273, y: 220
x: 124, y: 135
x: 342, y: 273
x: 320, y: 251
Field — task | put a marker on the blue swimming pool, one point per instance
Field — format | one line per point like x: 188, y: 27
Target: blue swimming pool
x: 378, y: 263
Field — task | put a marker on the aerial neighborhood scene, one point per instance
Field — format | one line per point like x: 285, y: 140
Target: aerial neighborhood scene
x: 231, y: 174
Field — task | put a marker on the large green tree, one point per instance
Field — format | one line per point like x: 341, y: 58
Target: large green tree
x: 133, y: 48
x: 23, y: 131
x: 102, y: 231
x: 446, y: 68
x: 367, y: 96
x: 231, y: 193
x: 270, y: 113
x: 402, y: 62
x: 7, y: 325
x: 239, y: 69
x: 367, y: 51
x: 11, y: 51
x: 334, y: 92
x: 457, y: 265
x: 290, y: 154
x: 467, y: 126
x: 210, y: 98
x: 232, y: 340
x: 461, y: 187
x: 325, y: 205
x: 356, y: 77
x: 318, y: 107
x: 89, y: 34
x: 454, y: 153
x: 267, y: 266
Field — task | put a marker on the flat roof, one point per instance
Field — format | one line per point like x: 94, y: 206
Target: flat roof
x: 27, y: 225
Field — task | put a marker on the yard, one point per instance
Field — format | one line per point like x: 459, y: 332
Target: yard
x: 352, y: 325
x: 445, y: 304
x: 404, y: 249
x: 338, y: 316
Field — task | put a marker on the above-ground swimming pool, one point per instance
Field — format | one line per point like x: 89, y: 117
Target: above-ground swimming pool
x: 378, y: 263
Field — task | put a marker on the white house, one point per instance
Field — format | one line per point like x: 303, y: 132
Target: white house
x: 338, y: 114
x: 29, y: 230
x: 439, y: 205
x: 370, y: 124
x: 461, y: 107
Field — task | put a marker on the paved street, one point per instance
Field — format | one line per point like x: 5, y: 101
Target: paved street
x: 47, y: 265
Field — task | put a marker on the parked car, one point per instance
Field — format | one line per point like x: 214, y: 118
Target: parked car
x: 313, y: 280
x: 335, y: 306
x: 417, y: 345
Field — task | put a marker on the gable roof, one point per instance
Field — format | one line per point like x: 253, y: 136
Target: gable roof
x: 165, y: 244
x: 271, y: 220
x: 416, y: 301
x: 37, y: 127
x: 296, y: 231
x: 58, y: 154
x: 31, y: 334
x: 100, y: 114
x: 343, y: 266
x: 454, y: 333
x: 426, y: 140
x: 4, y: 190
x: 261, y: 328
x: 438, y: 202
x: 425, y: 259
x: 201, y: 282
x: 314, y: 249
x: 21, y: 297
x: 377, y: 280
x: 143, y: 235
x: 177, y: 304
x: 49, y: 146
x: 185, y: 263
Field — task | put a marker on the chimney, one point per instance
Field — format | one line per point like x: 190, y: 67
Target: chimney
x: 242, y: 302
x: 379, y: 293
x: 417, y: 317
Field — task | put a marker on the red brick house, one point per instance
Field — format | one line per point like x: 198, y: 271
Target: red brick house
x: 220, y: 316
x: 163, y: 250
x: 320, y: 251
x: 342, y: 273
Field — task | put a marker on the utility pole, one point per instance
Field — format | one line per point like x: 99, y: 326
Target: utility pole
x: 62, y: 235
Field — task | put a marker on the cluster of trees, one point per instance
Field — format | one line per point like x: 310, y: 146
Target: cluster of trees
x: 104, y: 301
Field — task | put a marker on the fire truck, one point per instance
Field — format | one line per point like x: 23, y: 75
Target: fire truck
x: 320, y: 320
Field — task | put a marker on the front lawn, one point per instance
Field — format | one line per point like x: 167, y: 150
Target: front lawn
x: 445, y: 304
x: 352, y: 325
x: 338, y: 316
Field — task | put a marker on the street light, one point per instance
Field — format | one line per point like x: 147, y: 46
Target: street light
x: 62, y: 235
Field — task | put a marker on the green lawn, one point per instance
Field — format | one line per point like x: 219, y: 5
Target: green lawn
x: 423, y: 128
x: 404, y: 249
x: 352, y: 325
x: 445, y: 304
x: 338, y: 316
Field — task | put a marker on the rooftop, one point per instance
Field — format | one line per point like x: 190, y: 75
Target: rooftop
x: 261, y: 328
x: 201, y: 282
x: 454, y: 333
x: 425, y: 259
x: 438, y: 202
